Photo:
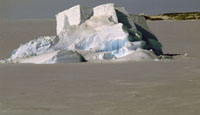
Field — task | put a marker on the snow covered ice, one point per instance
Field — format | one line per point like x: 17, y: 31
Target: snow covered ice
x: 105, y: 32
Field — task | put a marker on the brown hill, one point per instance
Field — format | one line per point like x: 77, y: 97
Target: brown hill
x: 175, y: 16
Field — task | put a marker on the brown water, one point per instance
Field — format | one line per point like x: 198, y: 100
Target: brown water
x: 132, y: 88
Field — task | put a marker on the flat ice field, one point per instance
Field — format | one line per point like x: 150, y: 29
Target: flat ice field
x: 131, y: 88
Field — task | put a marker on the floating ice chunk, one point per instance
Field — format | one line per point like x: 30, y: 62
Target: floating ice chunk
x: 64, y: 56
x: 105, y: 32
x: 73, y: 16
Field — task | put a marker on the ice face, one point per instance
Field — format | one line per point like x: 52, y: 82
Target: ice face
x: 105, y: 32
x: 105, y: 38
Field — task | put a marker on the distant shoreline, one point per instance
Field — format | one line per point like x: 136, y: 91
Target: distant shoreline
x: 174, y: 16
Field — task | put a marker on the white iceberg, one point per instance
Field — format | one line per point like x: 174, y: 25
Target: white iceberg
x: 105, y: 32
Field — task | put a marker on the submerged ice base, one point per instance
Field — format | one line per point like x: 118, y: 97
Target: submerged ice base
x: 102, y: 33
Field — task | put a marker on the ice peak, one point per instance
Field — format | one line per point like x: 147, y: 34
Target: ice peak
x: 78, y: 14
x: 72, y: 16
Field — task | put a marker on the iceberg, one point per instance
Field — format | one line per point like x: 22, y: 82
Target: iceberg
x: 105, y: 32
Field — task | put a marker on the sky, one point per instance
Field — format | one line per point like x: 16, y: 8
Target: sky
x: 46, y: 9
